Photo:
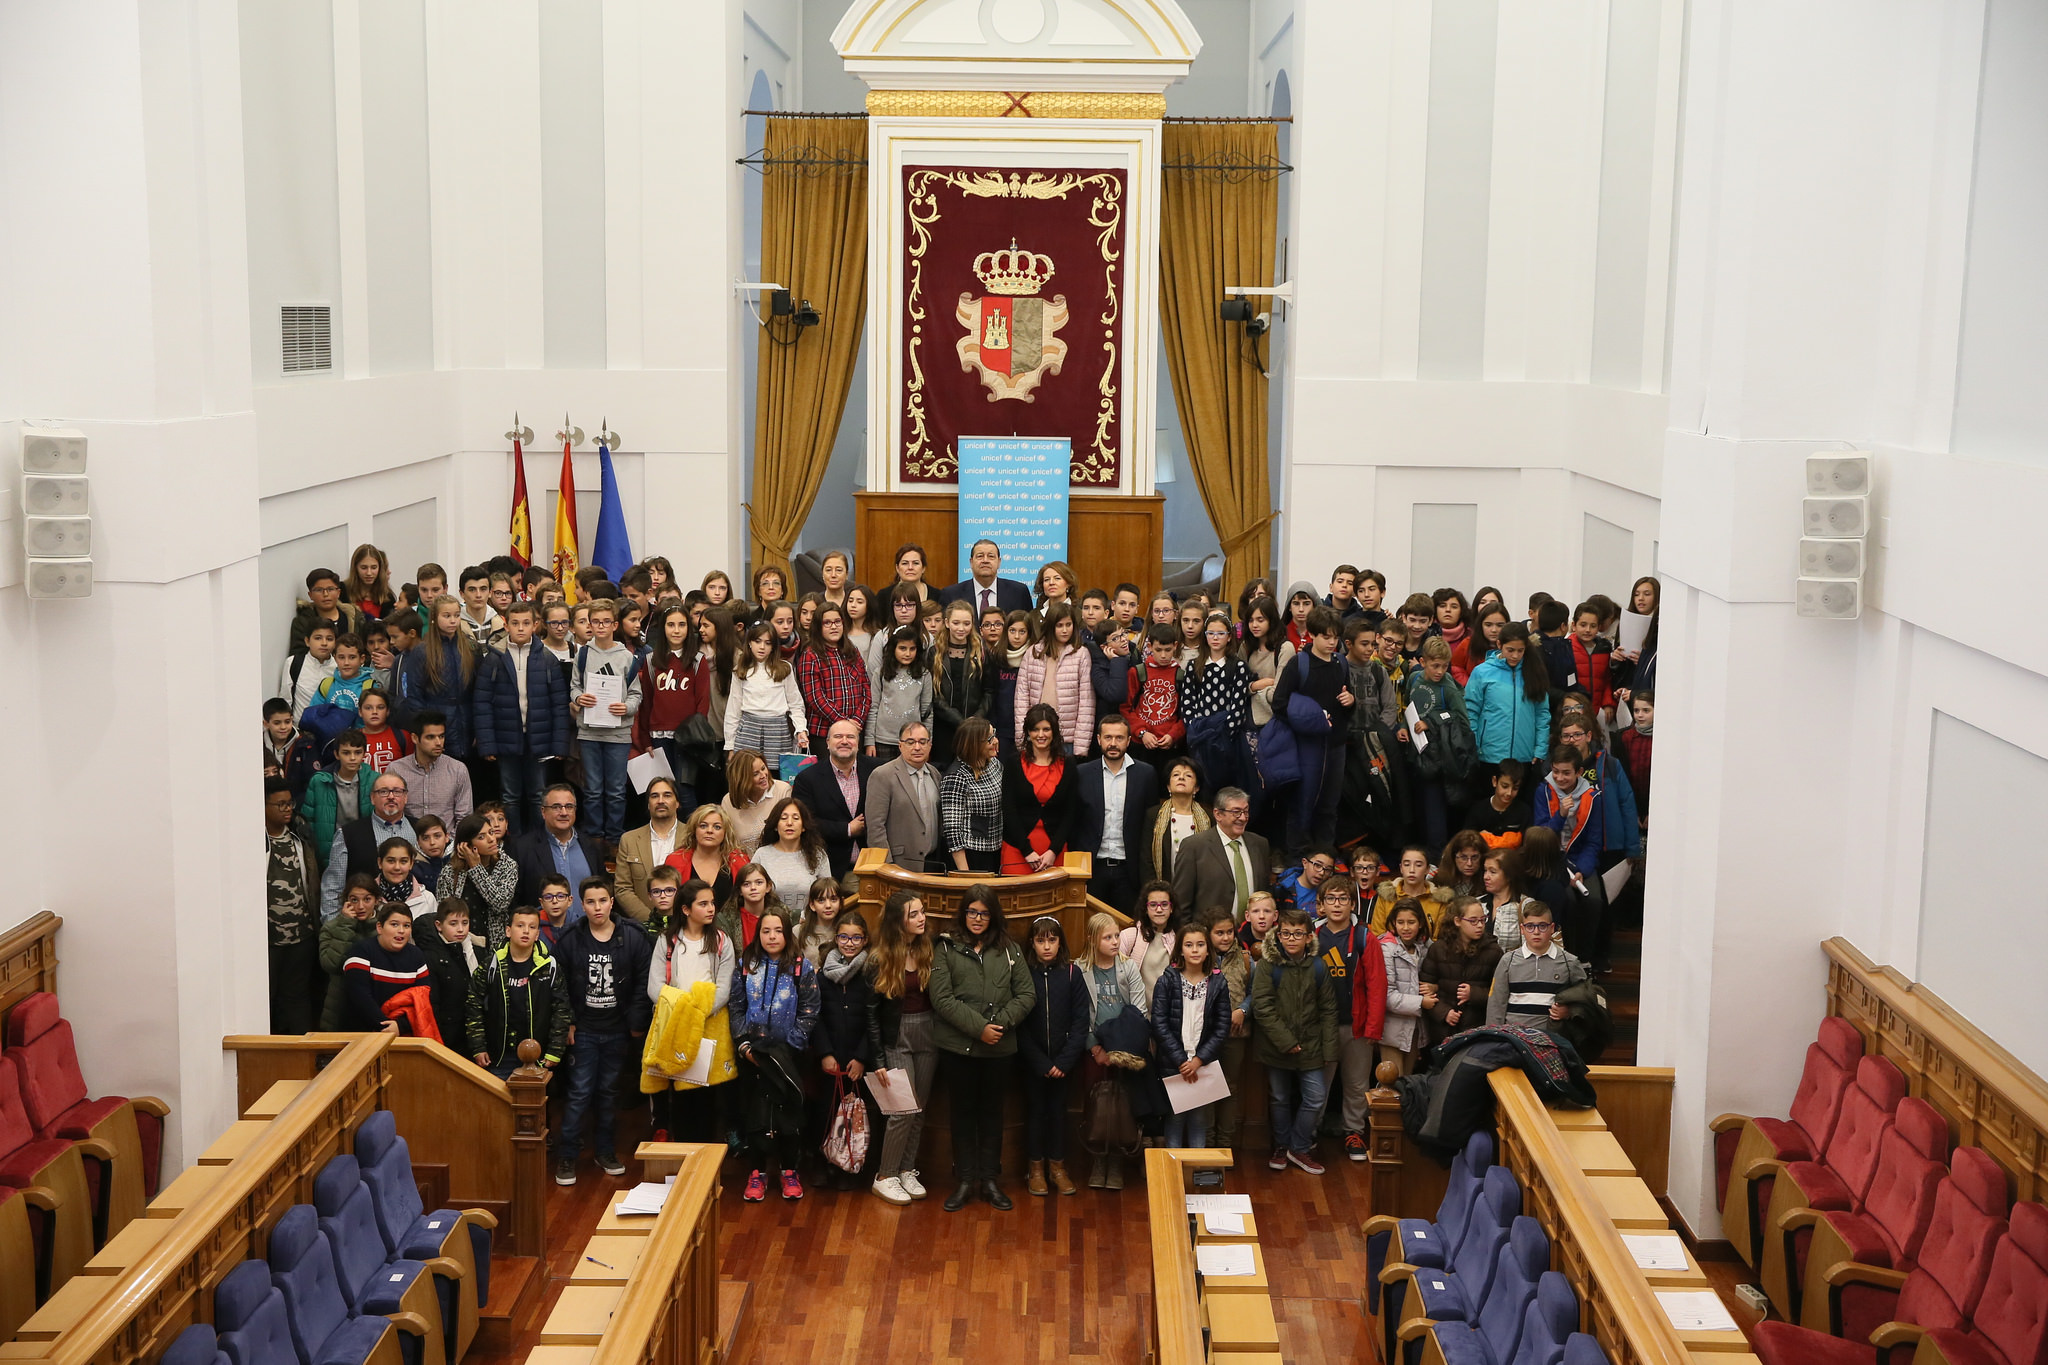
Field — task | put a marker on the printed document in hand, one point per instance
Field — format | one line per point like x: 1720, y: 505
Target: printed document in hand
x: 1615, y: 878
x: 1219, y: 1203
x: 1416, y: 737
x: 1207, y: 1087
x: 607, y: 688
x: 1217, y: 1260
x: 699, y: 1072
x: 1635, y: 628
x: 892, y: 1091
x: 1696, y: 1311
x: 1655, y: 1250
x: 644, y: 768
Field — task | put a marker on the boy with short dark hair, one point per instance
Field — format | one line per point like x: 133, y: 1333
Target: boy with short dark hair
x: 1528, y: 979
x: 298, y: 682
x: 344, y: 687
x: 1358, y: 985
x: 1372, y: 590
x: 1296, y: 1009
x: 432, y: 581
x: 336, y: 795
x: 1591, y: 654
x: 1343, y: 598
x: 477, y: 617
x: 1557, y: 653
x: 287, y: 754
x: 1502, y: 814
x: 604, y: 961
x: 1417, y: 614
x: 434, y: 837
x: 1152, y: 705
x: 517, y: 994
x: 452, y: 960
x: 322, y: 604
x: 605, y: 746
x: 1324, y: 679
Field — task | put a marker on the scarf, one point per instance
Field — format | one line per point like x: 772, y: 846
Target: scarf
x: 1016, y: 656
x: 837, y: 969
x: 391, y: 894
x: 1644, y: 729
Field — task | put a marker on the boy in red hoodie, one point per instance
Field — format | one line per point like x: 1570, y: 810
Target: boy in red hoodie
x: 1153, y: 705
x: 1590, y: 656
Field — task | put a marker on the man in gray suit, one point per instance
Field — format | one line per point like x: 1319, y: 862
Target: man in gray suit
x: 1221, y: 867
x: 903, y: 803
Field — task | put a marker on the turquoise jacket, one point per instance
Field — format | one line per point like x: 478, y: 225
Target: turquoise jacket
x: 1506, y: 723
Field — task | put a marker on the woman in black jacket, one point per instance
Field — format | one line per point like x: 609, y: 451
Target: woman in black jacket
x: 961, y: 681
x: 1051, y: 1044
x: 1041, y: 797
x: 846, y: 1040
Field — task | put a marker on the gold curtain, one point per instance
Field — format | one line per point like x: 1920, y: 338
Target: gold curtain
x: 814, y: 241
x: 1218, y: 227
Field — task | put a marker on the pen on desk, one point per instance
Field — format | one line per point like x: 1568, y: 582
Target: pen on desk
x: 606, y: 1264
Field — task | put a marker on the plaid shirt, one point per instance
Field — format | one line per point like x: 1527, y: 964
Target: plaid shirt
x: 971, y: 808
x: 833, y: 689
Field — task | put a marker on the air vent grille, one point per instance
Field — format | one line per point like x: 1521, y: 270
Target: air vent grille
x: 308, y: 332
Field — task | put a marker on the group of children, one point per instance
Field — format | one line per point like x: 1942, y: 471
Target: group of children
x: 511, y: 687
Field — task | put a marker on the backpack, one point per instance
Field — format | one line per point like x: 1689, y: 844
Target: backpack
x: 323, y: 721
x: 1452, y: 750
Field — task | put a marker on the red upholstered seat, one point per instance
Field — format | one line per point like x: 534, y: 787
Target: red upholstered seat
x: 1955, y: 1254
x: 22, y: 1153
x: 1886, y: 1232
x: 1838, y: 1180
x: 1738, y: 1142
x: 52, y: 1164
x: 54, y: 1087
x: 1780, y: 1343
x: 2010, y: 1323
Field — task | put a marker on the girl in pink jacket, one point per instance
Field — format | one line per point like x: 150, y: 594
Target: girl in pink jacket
x: 1055, y: 671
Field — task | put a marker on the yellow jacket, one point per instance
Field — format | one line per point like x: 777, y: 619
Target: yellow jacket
x: 683, y: 1022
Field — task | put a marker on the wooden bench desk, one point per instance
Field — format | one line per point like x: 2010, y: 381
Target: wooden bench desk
x: 271, y: 1102
x: 1597, y: 1151
x: 1203, y: 1234
x: 631, y: 1225
x: 238, y: 1138
x: 1627, y: 1202
x: 608, y: 1259
x: 581, y: 1315
x: 182, y: 1193
x: 1242, y: 1322
x: 126, y: 1247
x: 62, y: 1310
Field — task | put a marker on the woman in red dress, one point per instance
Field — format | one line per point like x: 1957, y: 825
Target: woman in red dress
x: 1041, y: 797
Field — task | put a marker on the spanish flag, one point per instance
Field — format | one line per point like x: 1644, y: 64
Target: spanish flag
x: 565, y: 527
x: 522, y: 514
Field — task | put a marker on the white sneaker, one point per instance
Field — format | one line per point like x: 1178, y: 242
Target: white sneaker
x: 891, y: 1189
x: 912, y: 1186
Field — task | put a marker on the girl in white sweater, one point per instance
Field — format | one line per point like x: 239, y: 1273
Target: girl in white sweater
x: 1401, y: 1035
x: 765, y: 712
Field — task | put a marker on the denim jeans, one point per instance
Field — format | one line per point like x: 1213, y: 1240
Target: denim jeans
x: 520, y: 784
x: 595, y: 1063
x: 1297, y: 1105
x: 1188, y: 1129
x: 604, y: 789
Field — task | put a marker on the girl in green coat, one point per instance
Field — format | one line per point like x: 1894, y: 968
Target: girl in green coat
x: 981, y: 990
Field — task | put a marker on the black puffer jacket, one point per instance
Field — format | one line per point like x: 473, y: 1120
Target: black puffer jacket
x: 1055, y: 1033
x: 957, y: 695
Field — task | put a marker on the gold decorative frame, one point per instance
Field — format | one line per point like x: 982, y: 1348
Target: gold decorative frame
x: 1094, y: 466
x: 1015, y: 104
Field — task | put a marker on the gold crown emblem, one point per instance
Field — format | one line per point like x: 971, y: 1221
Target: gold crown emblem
x: 1013, y: 271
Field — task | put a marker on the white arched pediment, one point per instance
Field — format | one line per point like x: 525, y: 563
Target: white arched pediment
x: 1075, y: 44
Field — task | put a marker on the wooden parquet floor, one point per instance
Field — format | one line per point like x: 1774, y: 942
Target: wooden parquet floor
x: 846, y: 1277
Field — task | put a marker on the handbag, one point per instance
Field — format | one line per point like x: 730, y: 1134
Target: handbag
x: 1109, y: 1123
x: 697, y: 734
x: 846, y: 1139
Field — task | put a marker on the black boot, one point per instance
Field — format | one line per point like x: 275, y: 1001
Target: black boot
x: 993, y: 1192
x: 957, y: 1200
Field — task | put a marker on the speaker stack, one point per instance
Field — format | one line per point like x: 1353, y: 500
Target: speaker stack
x: 57, y: 531
x: 1835, y: 517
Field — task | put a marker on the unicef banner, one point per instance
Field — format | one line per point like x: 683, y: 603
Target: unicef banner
x: 1013, y: 490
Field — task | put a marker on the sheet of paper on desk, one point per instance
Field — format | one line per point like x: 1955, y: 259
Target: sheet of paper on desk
x: 1219, y: 1203
x: 1229, y: 1224
x: 646, y: 1197
x: 1656, y: 1250
x: 1696, y: 1311
x: 1216, y: 1260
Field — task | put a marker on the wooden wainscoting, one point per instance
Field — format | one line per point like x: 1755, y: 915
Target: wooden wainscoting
x: 1112, y: 538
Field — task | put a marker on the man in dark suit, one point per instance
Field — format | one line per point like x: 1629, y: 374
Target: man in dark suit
x: 822, y: 787
x: 556, y: 847
x: 1116, y: 790
x: 1223, y: 865
x: 984, y: 589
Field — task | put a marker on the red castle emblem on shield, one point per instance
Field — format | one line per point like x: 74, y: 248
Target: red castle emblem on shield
x: 1010, y: 330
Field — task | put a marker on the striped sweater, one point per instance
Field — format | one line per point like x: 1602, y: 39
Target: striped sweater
x: 1525, y: 986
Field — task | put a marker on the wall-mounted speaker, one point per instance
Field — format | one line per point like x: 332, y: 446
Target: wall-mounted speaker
x: 58, y: 537
x: 49, y: 578
x: 1830, y: 599
x: 1831, y: 558
x: 52, y: 450
x: 47, y: 495
x: 1838, y: 476
x: 1836, y: 518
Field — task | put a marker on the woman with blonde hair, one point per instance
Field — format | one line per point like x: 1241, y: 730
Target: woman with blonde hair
x: 707, y: 851
x: 752, y: 789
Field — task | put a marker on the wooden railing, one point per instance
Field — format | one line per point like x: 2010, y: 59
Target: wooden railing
x: 1990, y: 1099
x: 1616, y: 1304
x: 488, y: 1135
x: 668, y: 1312
x: 28, y: 959
x: 1176, y: 1306
x: 1061, y: 892
x: 170, y: 1286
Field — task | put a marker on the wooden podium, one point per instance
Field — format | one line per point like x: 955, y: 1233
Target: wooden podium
x: 1061, y: 892
x: 1112, y: 538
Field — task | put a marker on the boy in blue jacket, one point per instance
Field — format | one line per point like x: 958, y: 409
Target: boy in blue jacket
x: 521, y: 714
